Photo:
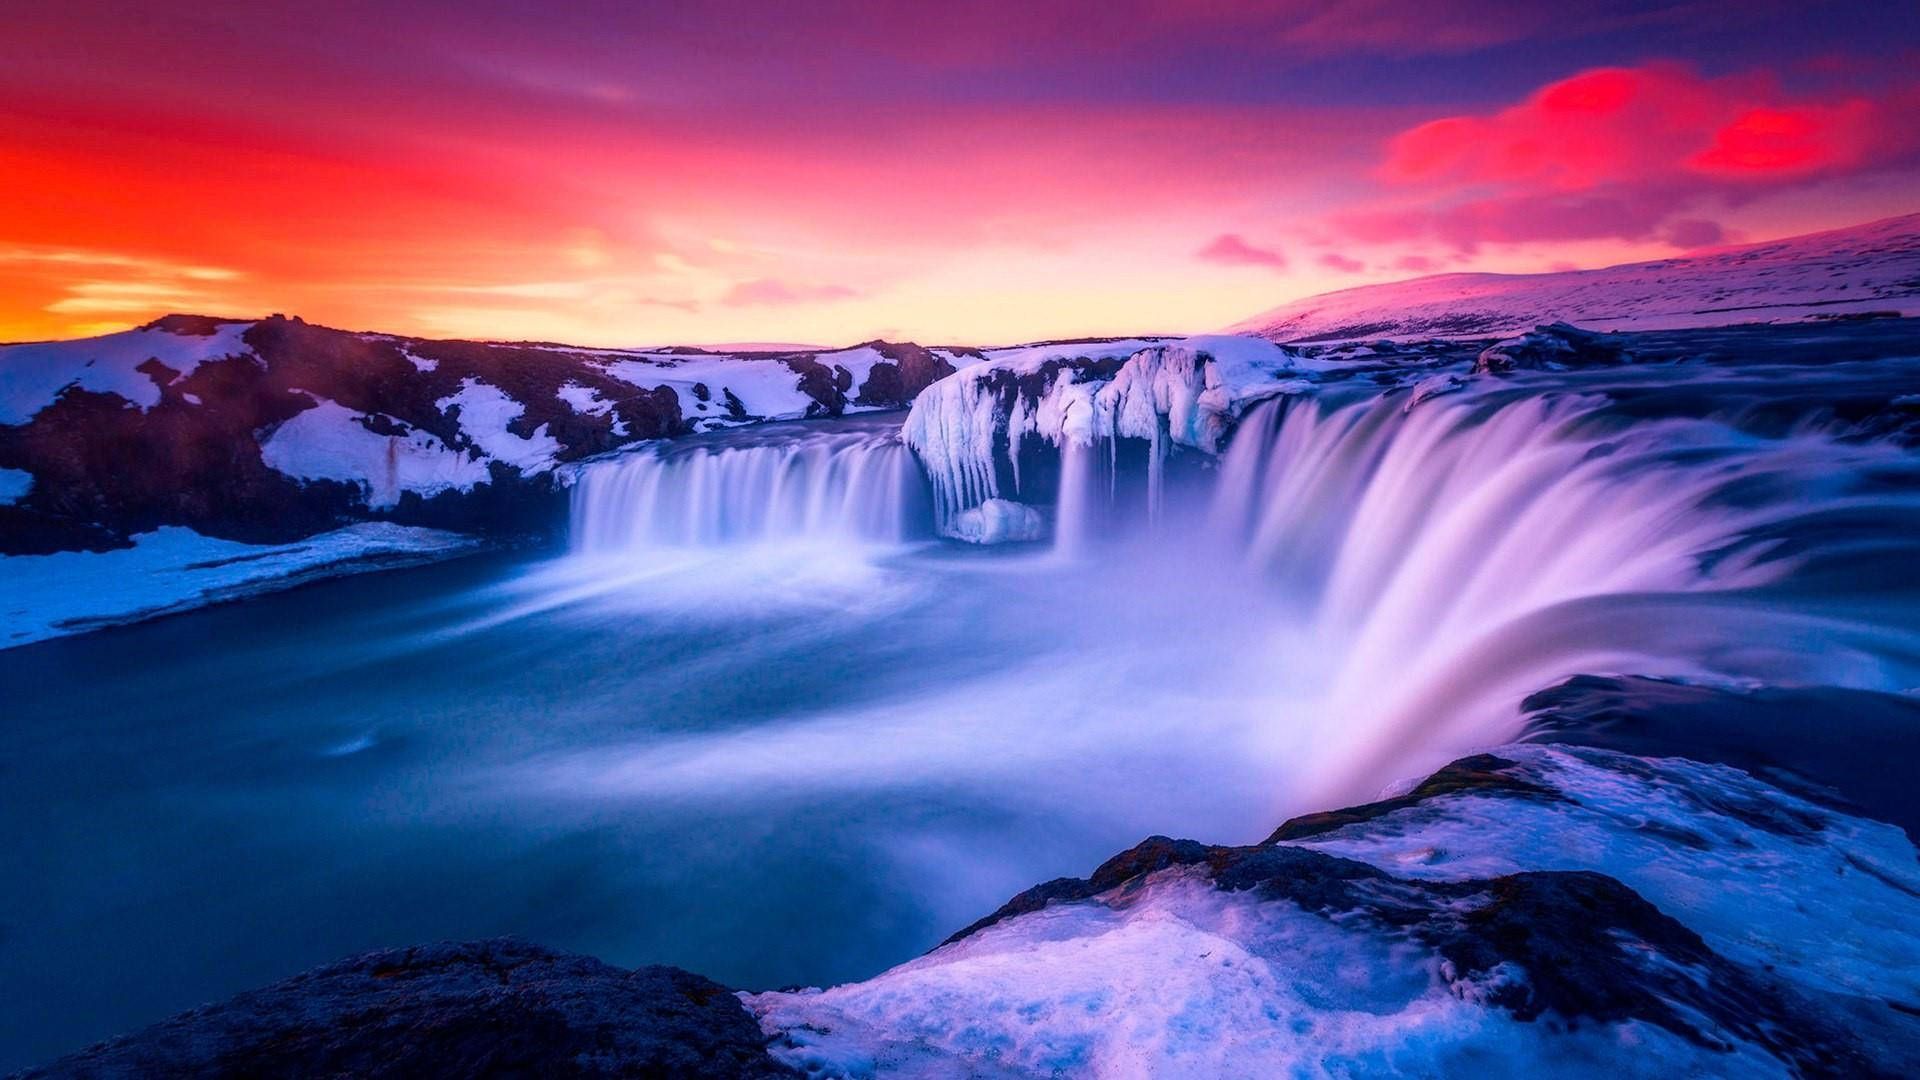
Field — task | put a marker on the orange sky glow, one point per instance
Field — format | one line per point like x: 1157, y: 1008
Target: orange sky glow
x: 985, y: 175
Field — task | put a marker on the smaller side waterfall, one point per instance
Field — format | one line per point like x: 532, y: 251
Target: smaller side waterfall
x: 854, y: 482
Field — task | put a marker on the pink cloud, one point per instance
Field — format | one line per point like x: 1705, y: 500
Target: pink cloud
x: 1621, y: 153
x: 1229, y: 249
x: 1333, y: 260
x: 774, y: 291
x: 1416, y: 264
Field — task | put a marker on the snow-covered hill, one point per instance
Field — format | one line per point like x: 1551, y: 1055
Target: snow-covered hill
x: 1866, y: 268
x: 273, y: 430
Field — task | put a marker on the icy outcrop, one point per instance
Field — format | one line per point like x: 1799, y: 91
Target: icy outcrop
x: 968, y: 428
x: 998, y: 521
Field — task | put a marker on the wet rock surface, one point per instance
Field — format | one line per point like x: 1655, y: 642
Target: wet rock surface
x: 1557, y: 347
x: 488, y: 1008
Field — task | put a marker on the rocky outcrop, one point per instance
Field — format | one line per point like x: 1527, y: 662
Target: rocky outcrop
x: 1647, y: 916
x: 474, y: 1009
x: 1558, y: 347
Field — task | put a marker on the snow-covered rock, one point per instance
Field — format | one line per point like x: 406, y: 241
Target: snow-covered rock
x: 1864, y: 269
x: 1573, y: 911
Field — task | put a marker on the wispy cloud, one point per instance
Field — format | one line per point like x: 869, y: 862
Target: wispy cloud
x: 117, y: 283
x: 775, y: 291
x: 1229, y: 249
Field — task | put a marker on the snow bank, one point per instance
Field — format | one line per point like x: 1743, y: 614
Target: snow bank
x: 177, y: 569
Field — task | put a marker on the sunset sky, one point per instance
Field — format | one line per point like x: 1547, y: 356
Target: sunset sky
x: 634, y: 173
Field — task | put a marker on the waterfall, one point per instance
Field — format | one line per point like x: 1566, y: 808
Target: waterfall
x: 852, y: 482
x: 1452, y: 557
x: 1378, y: 581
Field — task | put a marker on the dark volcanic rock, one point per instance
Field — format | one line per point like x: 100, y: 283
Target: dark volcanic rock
x: 1557, y: 347
x: 1571, y: 946
x: 1783, y: 734
x: 908, y: 370
x: 488, y: 1008
x: 1482, y: 773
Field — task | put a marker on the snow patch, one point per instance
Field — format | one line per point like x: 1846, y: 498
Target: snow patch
x: 328, y: 442
x: 14, y: 485
x: 485, y: 412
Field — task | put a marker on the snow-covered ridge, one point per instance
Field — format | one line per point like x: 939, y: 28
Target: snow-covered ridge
x: 968, y: 428
x: 1867, y: 268
x: 273, y: 429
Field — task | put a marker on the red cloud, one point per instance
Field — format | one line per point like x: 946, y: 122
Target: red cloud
x: 1229, y: 249
x: 1793, y: 141
x: 1336, y: 261
x: 1618, y: 152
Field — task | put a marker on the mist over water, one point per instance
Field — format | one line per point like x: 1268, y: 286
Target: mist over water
x: 755, y: 720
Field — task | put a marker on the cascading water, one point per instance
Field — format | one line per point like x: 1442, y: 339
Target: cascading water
x: 1400, y: 575
x: 853, y: 482
x: 1444, y: 560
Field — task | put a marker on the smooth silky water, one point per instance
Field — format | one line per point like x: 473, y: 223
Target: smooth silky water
x: 757, y: 722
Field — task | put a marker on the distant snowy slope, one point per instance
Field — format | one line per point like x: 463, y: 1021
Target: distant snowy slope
x: 1866, y: 268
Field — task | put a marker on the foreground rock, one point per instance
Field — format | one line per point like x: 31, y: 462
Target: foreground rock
x: 1532, y: 911
x: 489, y: 1008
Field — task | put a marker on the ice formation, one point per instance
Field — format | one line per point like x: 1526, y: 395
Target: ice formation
x: 969, y: 426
